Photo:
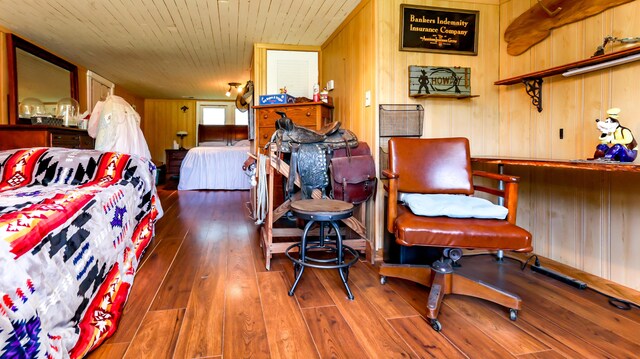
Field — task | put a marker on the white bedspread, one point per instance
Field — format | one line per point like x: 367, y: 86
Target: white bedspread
x: 214, y: 168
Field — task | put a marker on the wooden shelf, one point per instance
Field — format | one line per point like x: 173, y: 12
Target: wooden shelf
x: 593, y: 165
x: 533, y: 80
x: 563, y: 68
x: 459, y: 97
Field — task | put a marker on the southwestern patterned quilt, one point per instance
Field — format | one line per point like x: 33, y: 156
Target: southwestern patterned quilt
x: 73, y: 226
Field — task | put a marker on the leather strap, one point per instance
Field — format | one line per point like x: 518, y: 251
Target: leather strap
x: 293, y: 170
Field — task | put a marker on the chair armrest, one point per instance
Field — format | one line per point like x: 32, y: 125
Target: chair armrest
x: 392, y: 201
x: 496, y: 176
x: 389, y: 174
x: 510, y: 192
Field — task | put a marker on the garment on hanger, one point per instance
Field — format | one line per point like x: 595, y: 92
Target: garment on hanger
x: 116, y: 127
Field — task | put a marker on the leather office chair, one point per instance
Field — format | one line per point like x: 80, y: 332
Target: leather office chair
x: 443, y: 166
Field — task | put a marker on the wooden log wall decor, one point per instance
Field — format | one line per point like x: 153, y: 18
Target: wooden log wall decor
x: 438, y: 80
x: 536, y: 24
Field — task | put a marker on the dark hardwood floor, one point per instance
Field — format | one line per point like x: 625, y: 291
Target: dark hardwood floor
x: 202, y: 291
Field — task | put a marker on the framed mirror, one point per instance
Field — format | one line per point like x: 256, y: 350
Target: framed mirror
x: 37, y: 73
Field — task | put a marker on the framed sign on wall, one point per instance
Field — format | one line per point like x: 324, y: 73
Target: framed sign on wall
x: 433, y: 29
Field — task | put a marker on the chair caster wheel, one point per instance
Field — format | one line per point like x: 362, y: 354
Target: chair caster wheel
x: 383, y: 280
x: 513, y: 314
x: 435, y: 324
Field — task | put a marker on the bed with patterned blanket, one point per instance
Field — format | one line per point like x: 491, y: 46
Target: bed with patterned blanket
x: 73, y: 226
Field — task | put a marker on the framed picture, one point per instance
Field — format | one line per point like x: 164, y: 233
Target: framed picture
x: 433, y: 29
x: 439, y: 81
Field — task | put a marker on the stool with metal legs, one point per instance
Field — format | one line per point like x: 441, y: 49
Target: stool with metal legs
x: 323, y: 212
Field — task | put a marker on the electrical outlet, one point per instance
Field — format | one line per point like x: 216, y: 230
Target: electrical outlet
x: 367, y: 99
x: 330, y: 85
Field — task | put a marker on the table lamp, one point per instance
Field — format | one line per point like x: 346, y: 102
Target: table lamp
x: 181, y: 134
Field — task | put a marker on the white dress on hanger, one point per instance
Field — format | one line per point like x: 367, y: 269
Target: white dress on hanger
x: 116, y: 127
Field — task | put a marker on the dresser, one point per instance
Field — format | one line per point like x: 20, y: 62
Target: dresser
x: 174, y: 161
x: 22, y: 136
x: 313, y: 115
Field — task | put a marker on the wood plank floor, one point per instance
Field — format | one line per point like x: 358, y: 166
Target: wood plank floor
x: 202, y: 291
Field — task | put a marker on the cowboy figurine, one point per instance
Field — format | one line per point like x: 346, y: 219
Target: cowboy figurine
x: 616, y: 142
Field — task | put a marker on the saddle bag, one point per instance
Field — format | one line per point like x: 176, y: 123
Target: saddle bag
x: 353, y: 177
x: 360, y: 149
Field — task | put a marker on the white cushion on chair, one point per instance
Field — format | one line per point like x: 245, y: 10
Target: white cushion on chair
x: 453, y: 205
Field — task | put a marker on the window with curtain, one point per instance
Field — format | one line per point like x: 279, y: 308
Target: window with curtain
x: 241, y: 118
x: 220, y: 113
x: 212, y: 115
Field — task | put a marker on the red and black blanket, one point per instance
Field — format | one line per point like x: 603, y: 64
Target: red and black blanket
x: 73, y: 225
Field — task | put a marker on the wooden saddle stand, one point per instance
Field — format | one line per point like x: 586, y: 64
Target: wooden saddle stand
x: 282, y: 143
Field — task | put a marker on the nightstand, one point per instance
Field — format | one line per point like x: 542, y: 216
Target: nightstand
x: 174, y: 161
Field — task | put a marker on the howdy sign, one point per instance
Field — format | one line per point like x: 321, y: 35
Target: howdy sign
x: 434, y: 29
x: 444, y: 81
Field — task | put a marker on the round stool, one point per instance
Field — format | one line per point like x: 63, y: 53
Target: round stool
x: 322, y: 211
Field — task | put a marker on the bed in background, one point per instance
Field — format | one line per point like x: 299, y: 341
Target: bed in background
x: 216, y: 163
x: 73, y: 226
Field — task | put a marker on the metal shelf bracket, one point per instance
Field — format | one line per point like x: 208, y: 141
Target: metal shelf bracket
x: 533, y: 86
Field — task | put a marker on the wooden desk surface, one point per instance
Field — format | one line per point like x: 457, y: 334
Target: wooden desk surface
x: 593, y: 165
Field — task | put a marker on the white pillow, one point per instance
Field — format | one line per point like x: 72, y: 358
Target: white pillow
x: 242, y: 143
x: 452, y: 205
x: 212, y: 144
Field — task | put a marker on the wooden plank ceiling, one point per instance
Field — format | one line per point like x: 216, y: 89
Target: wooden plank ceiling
x: 171, y: 48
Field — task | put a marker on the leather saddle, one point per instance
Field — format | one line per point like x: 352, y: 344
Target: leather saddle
x: 331, y: 136
x: 310, y: 152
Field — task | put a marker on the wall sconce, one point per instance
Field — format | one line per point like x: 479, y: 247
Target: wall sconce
x: 231, y: 86
x: 184, y: 108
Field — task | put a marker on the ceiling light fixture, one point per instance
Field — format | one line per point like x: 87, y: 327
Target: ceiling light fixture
x: 231, y: 86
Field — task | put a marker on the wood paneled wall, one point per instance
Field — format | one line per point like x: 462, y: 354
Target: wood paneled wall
x: 163, y: 118
x: 349, y: 59
x: 363, y: 54
x: 475, y: 118
x: 581, y: 218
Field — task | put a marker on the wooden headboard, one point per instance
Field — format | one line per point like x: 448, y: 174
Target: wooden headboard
x: 228, y: 134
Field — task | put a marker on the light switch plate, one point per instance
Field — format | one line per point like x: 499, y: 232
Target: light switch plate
x: 367, y: 99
